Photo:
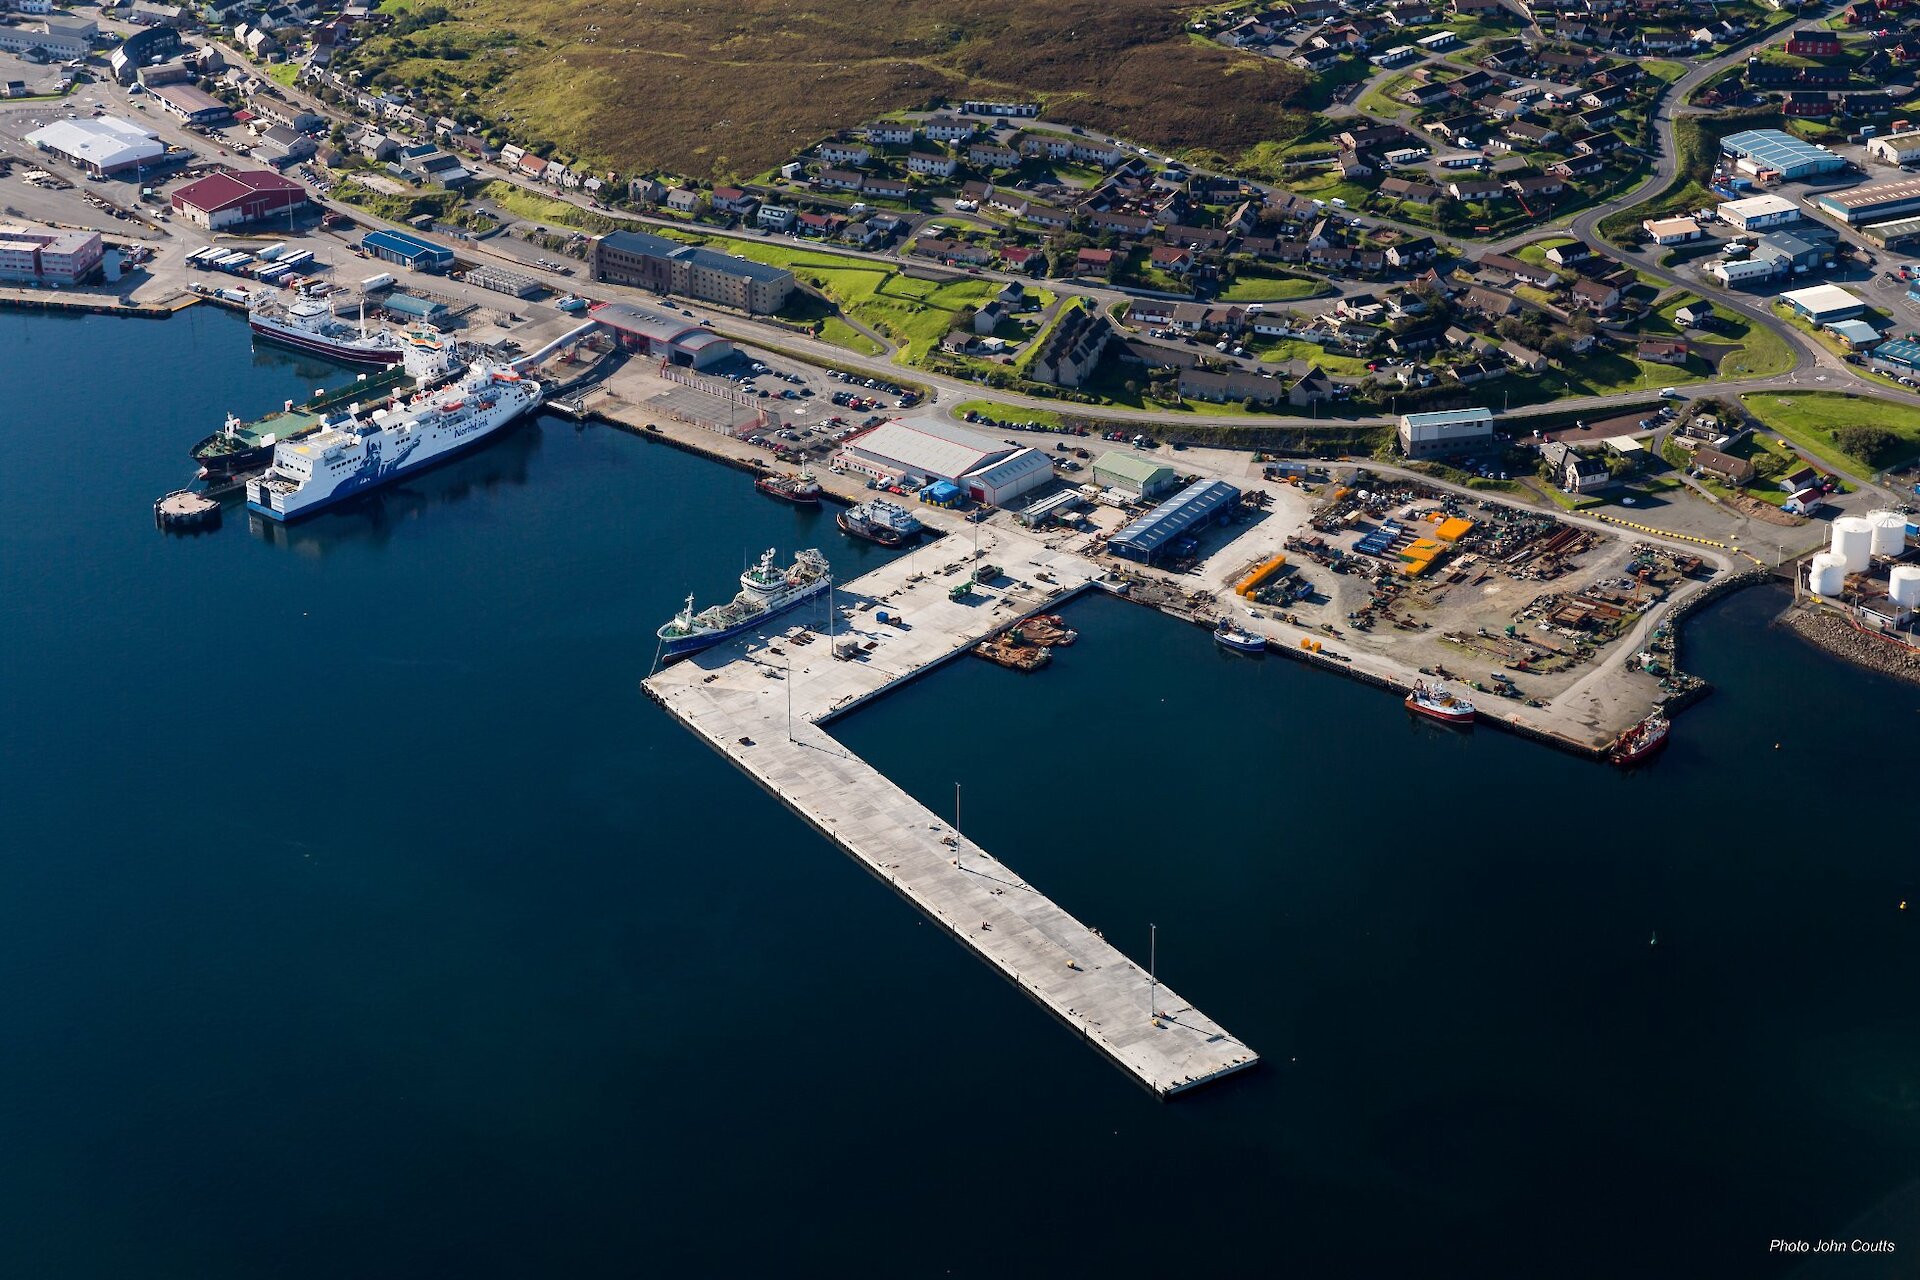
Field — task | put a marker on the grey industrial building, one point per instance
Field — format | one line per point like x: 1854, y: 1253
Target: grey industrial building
x: 1423, y: 435
x: 1155, y: 534
x: 665, y: 266
x: 1131, y: 473
x: 670, y: 338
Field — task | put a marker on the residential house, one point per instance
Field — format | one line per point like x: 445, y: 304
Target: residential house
x: 1578, y: 167
x: 1566, y: 255
x: 1477, y: 189
x: 1171, y: 259
x: 839, y: 179
x: 1409, y: 190
x: 1415, y: 251
x: 1491, y: 303
x: 845, y: 153
x: 1596, y: 296
x: 1813, y: 42
x: 1663, y: 351
x: 1524, y: 358
x: 947, y: 128
x: 775, y: 217
x: 686, y: 200
x: 733, y: 200
x: 992, y: 155
x: 1723, y: 466
x: 1531, y: 134
x: 886, y: 133
x: 931, y: 165
x: 943, y: 249
x: 1574, y: 471
x: 1696, y: 315
x: 1094, y: 262
x: 1536, y: 188
x: 886, y: 188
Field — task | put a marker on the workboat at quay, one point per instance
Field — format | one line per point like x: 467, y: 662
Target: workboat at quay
x: 766, y: 592
x: 1641, y: 741
x: 1435, y: 703
x: 877, y: 520
x: 802, y: 489
x: 239, y: 447
x: 361, y: 449
x: 308, y: 324
x: 1228, y: 636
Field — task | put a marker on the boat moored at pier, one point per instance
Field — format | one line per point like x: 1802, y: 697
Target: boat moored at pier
x: 877, y: 520
x: 1435, y: 703
x: 360, y: 449
x: 309, y: 325
x: 1641, y: 741
x: 801, y: 490
x: 766, y: 592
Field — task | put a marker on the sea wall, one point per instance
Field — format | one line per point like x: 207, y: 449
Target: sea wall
x: 1840, y: 637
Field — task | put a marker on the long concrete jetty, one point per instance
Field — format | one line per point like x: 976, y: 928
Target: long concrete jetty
x: 760, y: 701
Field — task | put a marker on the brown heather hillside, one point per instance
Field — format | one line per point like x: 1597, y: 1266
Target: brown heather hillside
x: 731, y: 89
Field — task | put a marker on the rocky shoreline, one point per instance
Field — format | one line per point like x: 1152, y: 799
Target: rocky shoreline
x: 1839, y: 637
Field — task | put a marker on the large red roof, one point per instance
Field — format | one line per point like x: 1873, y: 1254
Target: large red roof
x: 224, y: 190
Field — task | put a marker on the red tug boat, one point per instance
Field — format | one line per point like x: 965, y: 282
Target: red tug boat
x: 801, y: 490
x: 1641, y: 741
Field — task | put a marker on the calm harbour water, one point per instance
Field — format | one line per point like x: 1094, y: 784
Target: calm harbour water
x: 362, y: 917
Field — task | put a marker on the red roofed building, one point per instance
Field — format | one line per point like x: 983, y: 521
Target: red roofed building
x: 228, y: 199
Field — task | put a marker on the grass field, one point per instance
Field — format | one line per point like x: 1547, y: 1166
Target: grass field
x: 1808, y: 419
x: 1254, y: 286
x: 710, y: 89
x: 1008, y: 412
x: 284, y: 74
x: 1761, y: 352
x: 1314, y: 354
x: 523, y: 203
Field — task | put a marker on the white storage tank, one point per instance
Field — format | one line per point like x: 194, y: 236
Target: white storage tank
x: 1889, y: 533
x: 1853, y: 542
x: 1903, y: 584
x: 1827, y: 575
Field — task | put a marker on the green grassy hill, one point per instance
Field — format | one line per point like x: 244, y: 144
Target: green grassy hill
x: 730, y: 89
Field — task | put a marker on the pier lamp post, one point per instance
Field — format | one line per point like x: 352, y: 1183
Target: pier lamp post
x: 1153, y: 979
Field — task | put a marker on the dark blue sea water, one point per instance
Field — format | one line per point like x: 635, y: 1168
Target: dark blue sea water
x: 359, y: 916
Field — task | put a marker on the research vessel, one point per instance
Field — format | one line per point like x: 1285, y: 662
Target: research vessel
x: 1435, y: 703
x: 309, y: 325
x: 802, y: 490
x: 360, y: 450
x: 877, y: 520
x: 766, y: 592
x: 1641, y: 741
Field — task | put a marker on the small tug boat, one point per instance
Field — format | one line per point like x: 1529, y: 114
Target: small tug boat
x: 1641, y: 741
x: 802, y: 490
x: 1436, y: 703
x: 1228, y: 636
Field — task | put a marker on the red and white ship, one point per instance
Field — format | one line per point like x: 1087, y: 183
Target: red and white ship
x: 309, y: 325
x: 1641, y: 741
x: 1437, y: 704
x: 802, y: 489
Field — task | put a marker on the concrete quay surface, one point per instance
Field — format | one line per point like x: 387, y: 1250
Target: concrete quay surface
x: 736, y: 697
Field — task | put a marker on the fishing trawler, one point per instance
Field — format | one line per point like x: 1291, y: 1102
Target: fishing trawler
x: 766, y: 592
x: 1435, y: 703
x: 309, y: 325
x: 1238, y: 639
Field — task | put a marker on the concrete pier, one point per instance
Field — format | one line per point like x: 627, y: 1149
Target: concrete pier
x: 761, y: 702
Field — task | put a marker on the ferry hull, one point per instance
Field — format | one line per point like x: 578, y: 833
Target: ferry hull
x: 354, y: 486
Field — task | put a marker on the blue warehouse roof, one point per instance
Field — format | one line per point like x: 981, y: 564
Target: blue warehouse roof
x: 1899, y: 351
x: 1777, y: 149
x: 1193, y: 506
x: 402, y: 243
